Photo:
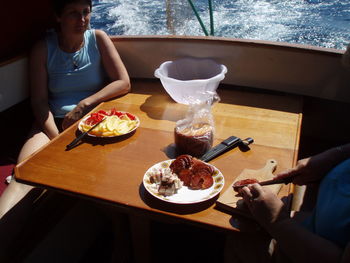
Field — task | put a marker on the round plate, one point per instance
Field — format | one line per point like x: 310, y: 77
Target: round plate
x: 93, y: 135
x: 184, y: 195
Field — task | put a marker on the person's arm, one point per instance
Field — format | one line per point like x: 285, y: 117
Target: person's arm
x: 346, y: 254
x: 299, y: 244
x: 39, y: 90
x: 118, y: 75
x: 316, y: 167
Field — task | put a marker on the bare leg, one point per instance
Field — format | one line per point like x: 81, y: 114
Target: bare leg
x: 16, y: 191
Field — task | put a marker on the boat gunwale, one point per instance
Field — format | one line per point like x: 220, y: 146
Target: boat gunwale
x: 238, y: 41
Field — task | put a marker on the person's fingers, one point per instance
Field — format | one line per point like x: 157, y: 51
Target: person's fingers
x: 251, y: 193
x: 286, y: 173
x: 300, y: 180
x: 245, y: 191
x: 246, y: 194
x: 256, y: 190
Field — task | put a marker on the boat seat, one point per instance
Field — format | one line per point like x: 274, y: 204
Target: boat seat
x: 17, y: 122
x: 6, y: 168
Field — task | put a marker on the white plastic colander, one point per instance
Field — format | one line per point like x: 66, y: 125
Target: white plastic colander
x: 185, y: 77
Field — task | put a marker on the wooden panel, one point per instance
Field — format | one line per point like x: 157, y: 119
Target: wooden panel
x: 112, y: 169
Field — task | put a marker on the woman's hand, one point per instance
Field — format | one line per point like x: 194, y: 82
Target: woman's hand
x: 76, y: 114
x: 264, y: 205
x: 295, y: 241
x: 306, y: 171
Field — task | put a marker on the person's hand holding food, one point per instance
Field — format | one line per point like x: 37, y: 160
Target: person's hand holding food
x: 264, y: 205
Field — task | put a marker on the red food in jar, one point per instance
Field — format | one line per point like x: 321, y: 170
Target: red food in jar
x: 195, y: 140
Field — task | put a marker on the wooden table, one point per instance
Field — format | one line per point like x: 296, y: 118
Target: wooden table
x: 112, y: 169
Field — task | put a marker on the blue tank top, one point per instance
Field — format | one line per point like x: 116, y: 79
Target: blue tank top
x: 331, y: 216
x: 72, y: 76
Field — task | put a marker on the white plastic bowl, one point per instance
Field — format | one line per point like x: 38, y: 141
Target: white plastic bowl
x: 185, y: 77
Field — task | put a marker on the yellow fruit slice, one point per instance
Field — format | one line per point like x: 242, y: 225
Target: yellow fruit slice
x: 123, y: 127
x: 111, y: 126
x: 112, y: 123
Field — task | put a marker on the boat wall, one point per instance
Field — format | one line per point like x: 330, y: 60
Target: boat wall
x: 310, y: 71
x: 23, y: 23
x: 296, y: 69
x: 14, y: 86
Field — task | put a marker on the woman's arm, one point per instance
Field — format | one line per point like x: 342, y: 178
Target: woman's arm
x: 299, y: 244
x: 119, y: 85
x: 316, y: 167
x: 39, y: 90
x: 120, y: 82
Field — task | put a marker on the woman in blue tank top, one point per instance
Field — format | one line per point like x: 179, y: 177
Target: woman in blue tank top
x: 71, y: 71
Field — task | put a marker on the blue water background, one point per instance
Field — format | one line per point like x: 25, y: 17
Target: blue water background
x: 323, y: 23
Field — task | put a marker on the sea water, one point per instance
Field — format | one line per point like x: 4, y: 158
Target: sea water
x: 323, y: 23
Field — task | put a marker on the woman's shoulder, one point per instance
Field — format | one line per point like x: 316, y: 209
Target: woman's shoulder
x: 39, y: 46
x: 38, y: 53
x: 100, y: 34
x: 102, y: 39
x: 42, y: 44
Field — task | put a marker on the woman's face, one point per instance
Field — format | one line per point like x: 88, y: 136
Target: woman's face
x: 75, y: 18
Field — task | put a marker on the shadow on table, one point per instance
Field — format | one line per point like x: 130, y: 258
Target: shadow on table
x: 246, y: 223
x: 171, y: 151
x: 100, y: 140
x: 181, y: 209
x: 241, y: 223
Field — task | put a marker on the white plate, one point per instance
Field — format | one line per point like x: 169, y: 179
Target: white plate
x: 184, y: 195
x: 93, y: 135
